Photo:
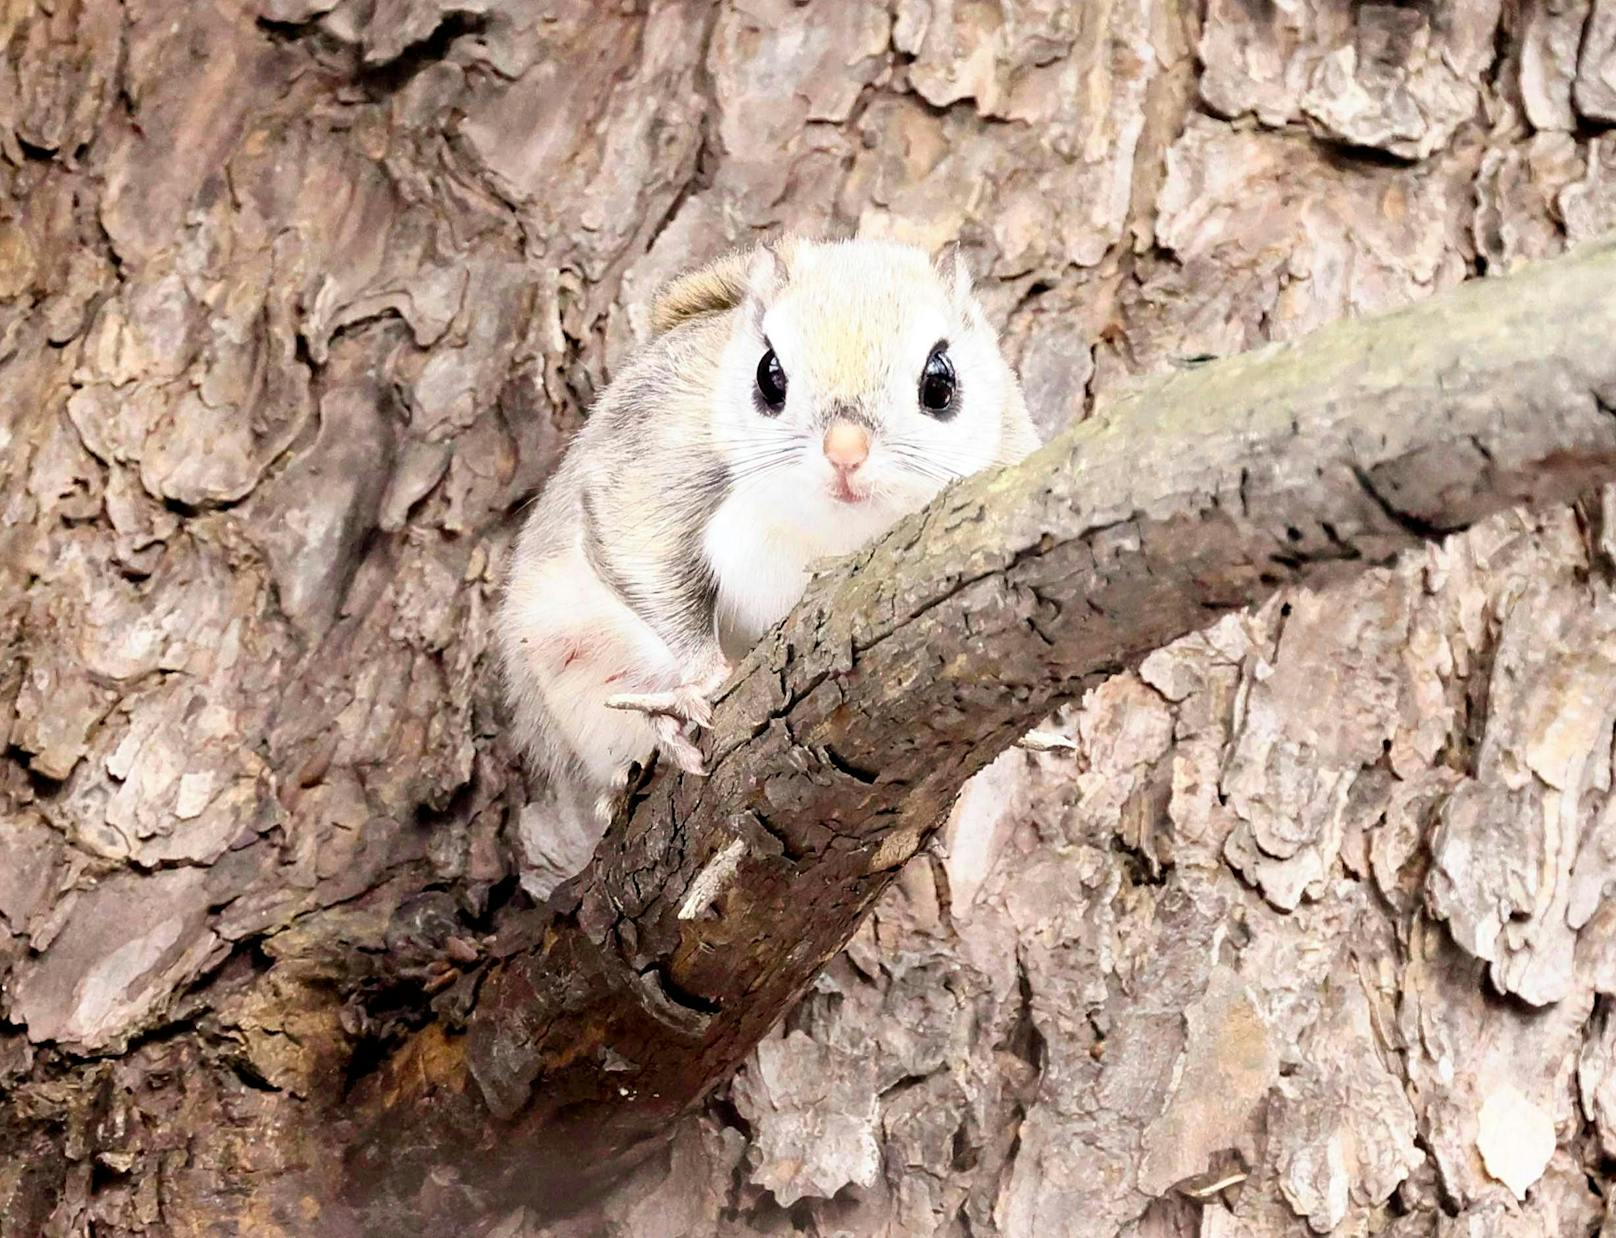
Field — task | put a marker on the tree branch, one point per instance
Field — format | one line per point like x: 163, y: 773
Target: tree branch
x: 842, y: 741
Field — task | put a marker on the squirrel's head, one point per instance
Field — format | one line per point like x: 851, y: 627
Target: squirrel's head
x: 860, y: 377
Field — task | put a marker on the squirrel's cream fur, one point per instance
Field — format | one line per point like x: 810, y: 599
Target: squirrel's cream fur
x: 684, y: 520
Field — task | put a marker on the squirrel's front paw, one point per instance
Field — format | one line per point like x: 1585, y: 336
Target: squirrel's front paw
x: 691, y: 701
x: 686, y: 703
x: 689, y: 704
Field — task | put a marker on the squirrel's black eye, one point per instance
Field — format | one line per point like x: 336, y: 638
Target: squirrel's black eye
x: 937, y: 384
x: 771, y: 383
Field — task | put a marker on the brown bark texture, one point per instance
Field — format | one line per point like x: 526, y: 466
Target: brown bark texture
x: 1307, y: 932
x: 842, y: 742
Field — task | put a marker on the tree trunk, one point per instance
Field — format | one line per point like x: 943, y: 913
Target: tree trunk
x: 299, y: 304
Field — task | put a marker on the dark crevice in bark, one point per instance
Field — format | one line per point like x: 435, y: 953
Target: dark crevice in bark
x: 392, y: 75
x: 676, y: 993
x: 867, y: 777
x: 1415, y: 526
x: 788, y: 848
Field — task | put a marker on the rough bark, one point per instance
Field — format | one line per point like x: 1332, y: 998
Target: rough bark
x: 298, y: 300
x: 714, y: 902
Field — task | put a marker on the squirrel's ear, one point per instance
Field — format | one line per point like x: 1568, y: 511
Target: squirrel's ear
x: 745, y: 275
x: 955, y: 273
x: 720, y: 285
x: 766, y: 274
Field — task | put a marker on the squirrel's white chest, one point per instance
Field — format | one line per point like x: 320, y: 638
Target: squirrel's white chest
x: 760, y: 546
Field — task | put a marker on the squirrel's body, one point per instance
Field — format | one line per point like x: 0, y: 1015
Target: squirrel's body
x: 685, y: 518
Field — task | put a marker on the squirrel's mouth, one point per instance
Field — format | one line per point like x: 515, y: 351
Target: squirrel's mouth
x: 842, y: 492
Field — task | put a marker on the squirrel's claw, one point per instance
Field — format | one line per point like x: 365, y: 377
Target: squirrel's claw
x: 671, y: 711
x: 691, y: 701
x: 686, y: 703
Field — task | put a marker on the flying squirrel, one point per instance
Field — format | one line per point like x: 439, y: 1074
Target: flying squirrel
x: 795, y: 401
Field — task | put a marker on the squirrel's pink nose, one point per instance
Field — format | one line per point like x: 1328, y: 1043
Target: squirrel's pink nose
x: 846, y: 445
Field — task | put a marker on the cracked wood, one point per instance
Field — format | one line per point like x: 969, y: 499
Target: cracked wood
x: 842, y: 740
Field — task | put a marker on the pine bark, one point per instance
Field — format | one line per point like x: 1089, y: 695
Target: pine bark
x: 298, y: 302
x: 838, y: 749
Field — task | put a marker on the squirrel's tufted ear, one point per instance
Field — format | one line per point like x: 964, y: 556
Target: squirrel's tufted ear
x: 718, y: 286
x: 955, y: 273
x: 743, y: 275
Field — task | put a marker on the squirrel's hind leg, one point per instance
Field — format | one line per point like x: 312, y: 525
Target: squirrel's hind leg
x: 571, y: 643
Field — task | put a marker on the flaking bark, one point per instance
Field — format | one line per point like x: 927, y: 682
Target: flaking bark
x: 1306, y: 930
x: 837, y: 751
